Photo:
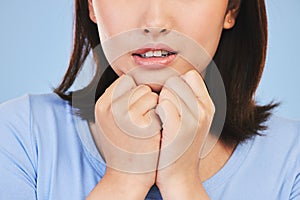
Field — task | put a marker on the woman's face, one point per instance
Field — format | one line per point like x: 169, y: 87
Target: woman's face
x: 200, y: 20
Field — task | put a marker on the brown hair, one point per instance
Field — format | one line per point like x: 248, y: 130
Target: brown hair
x: 240, y: 58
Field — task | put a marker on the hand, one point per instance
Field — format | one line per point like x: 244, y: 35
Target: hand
x: 186, y: 112
x: 128, y: 132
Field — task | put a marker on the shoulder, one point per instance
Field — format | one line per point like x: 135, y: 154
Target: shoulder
x: 19, y: 113
x: 38, y: 138
x: 23, y: 105
x: 280, y: 142
x: 48, y: 106
x: 283, y: 131
x: 277, y: 122
x: 19, y: 118
x: 19, y: 142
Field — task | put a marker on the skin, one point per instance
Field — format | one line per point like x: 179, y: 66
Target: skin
x: 116, y: 16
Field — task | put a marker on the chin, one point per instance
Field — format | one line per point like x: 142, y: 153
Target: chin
x: 155, y: 79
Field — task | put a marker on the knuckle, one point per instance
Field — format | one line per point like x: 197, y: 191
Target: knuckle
x: 142, y: 88
x: 153, y: 96
x: 99, y: 107
x: 166, y: 103
x: 146, y: 88
x: 102, y: 106
x: 211, y: 109
x: 206, y: 112
x: 162, y: 94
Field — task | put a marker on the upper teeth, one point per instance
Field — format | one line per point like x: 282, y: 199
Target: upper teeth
x: 157, y: 53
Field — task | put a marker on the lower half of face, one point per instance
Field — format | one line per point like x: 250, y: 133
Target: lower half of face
x: 153, y: 40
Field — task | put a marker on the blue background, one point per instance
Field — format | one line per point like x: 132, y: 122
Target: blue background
x: 36, y: 42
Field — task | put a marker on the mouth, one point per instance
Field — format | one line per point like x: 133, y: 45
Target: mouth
x: 154, y: 56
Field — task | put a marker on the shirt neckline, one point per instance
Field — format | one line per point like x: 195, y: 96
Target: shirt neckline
x: 231, y: 166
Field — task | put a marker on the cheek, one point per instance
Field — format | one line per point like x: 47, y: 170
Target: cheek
x: 114, y: 17
x: 205, y: 28
x: 209, y: 40
x: 123, y: 64
x: 104, y: 15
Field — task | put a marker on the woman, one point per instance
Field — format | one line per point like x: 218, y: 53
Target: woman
x: 48, y: 152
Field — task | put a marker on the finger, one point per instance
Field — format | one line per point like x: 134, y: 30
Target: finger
x: 123, y: 84
x: 139, y: 111
x: 170, y: 118
x: 138, y: 92
x: 196, y: 83
x: 185, y: 93
x: 173, y: 121
x: 178, y: 133
x: 130, y: 119
x: 167, y: 94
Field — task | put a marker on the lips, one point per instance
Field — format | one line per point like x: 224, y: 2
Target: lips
x: 154, y: 56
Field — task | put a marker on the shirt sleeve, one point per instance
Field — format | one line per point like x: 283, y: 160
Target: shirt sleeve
x: 17, y: 151
x: 295, y: 193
